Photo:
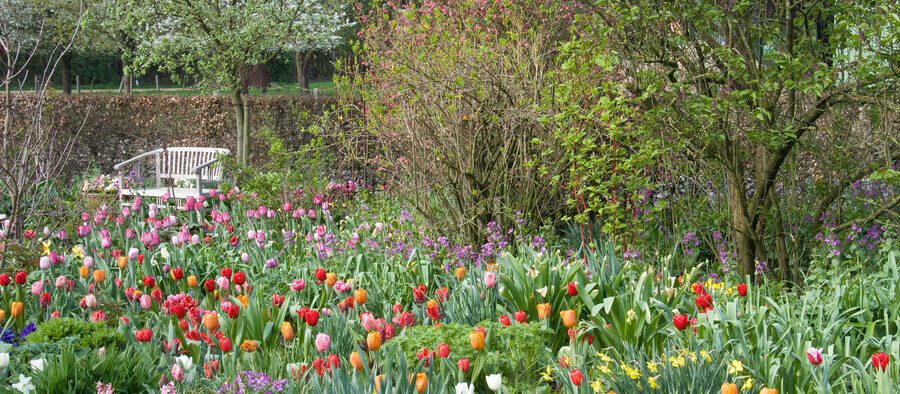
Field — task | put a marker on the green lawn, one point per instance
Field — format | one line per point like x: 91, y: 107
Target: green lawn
x: 277, y: 88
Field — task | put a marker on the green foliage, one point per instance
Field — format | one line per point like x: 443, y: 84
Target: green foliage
x: 80, y: 333
x: 128, y: 370
x: 517, y: 351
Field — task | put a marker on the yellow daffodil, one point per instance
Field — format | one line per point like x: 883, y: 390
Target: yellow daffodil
x: 632, y: 373
x: 603, y: 357
x: 677, y: 362
x: 78, y: 252
x: 651, y: 381
x: 547, y: 376
x: 652, y: 366
x: 597, y: 386
x: 693, y: 357
x: 46, y: 246
x: 604, y: 368
x: 630, y: 316
x: 736, y: 367
x: 748, y: 384
x: 705, y: 355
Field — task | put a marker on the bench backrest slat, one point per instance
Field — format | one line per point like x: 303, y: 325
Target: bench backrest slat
x: 177, y: 163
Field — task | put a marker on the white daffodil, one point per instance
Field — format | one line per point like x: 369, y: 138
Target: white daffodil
x: 24, y: 385
x: 494, y: 381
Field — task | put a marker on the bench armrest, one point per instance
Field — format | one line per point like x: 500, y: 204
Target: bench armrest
x: 121, y: 166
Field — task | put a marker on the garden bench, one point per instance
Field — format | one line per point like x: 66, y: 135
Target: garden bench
x: 173, y: 169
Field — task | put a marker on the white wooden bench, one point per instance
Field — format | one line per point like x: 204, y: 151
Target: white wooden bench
x: 176, y: 166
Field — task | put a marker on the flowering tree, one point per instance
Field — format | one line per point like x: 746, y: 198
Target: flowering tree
x: 318, y: 29
x: 213, y: 40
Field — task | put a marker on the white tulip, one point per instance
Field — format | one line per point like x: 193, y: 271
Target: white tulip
x: 4, y: 360
x: 38, y: 364
x: 494, y: 381
x: 464, y: 388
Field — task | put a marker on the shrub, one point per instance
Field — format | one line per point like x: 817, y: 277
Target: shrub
x: 84, y: 334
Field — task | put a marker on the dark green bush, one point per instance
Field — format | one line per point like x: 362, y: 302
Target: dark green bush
x: 84, y: 333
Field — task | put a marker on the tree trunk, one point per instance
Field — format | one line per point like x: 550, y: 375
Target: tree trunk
x: 242, y: 123
x: 742, y: 231
x: 65, y: 73
x: 300, y: 61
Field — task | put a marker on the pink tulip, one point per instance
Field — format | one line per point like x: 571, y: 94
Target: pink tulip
x: 145, y: 301
x: 490, y: 278
x: 37, y: 287
x: 298, y: 285
x: 323, y: 342
x: 90, y: 301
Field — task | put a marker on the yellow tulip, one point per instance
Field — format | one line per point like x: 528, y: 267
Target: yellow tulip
x: 123, y: 262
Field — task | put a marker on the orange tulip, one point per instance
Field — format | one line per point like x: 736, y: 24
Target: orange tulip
x: 476, y: 338
x: 360, y: 296
x: 543, y: 311
x: 373, y: 341
x: 84, y: 271
x: 192, y: 281
x: 378, y: 380
x: 249, y: 346
x: 460, y: 272
x: 16, y: 308
x: 330, y: 279
x: 99, y: 275
x: 729, y: 388
x: 356, y: 361
x: 123, y: 262
x: 211, y: 321
x: 569, y: 318
x: 768, y: 391
x: 287, y: 331
x: 2, y: 314
x: 244, y: 300
x: 421, y: 382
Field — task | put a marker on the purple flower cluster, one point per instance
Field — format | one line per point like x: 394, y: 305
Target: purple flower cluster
x: 253, y: 382
x: 688, y: 242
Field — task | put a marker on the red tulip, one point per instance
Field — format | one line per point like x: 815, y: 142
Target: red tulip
x: 742, y: 289
x: 231, y: 310
x: 880, y: 360
x: 814, y: 355
x: 144, y: 335
x: 4, y: 279
x: 44, y: 299
x: 149, y: 282
x: 226, y: 272
x: 572, y: 289
x: 680, y: 321
x: 504, y: 320
x: 321, y: 275
x: 239, y: 278
x: 443, y: 350
x: 277, y: 299
x: 704, y: 302
x: 225, y: 344
x: 463, y: 365
x: 312, y: 317
x: 698, y: 288
x: 209, y: 285
x: 21, y: 277
x: 520, y: 316
x: 576, y: 377
x: 177, y: 273
x: 333, y: 361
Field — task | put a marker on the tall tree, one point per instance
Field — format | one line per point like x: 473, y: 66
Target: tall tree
x: 743, y: 84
